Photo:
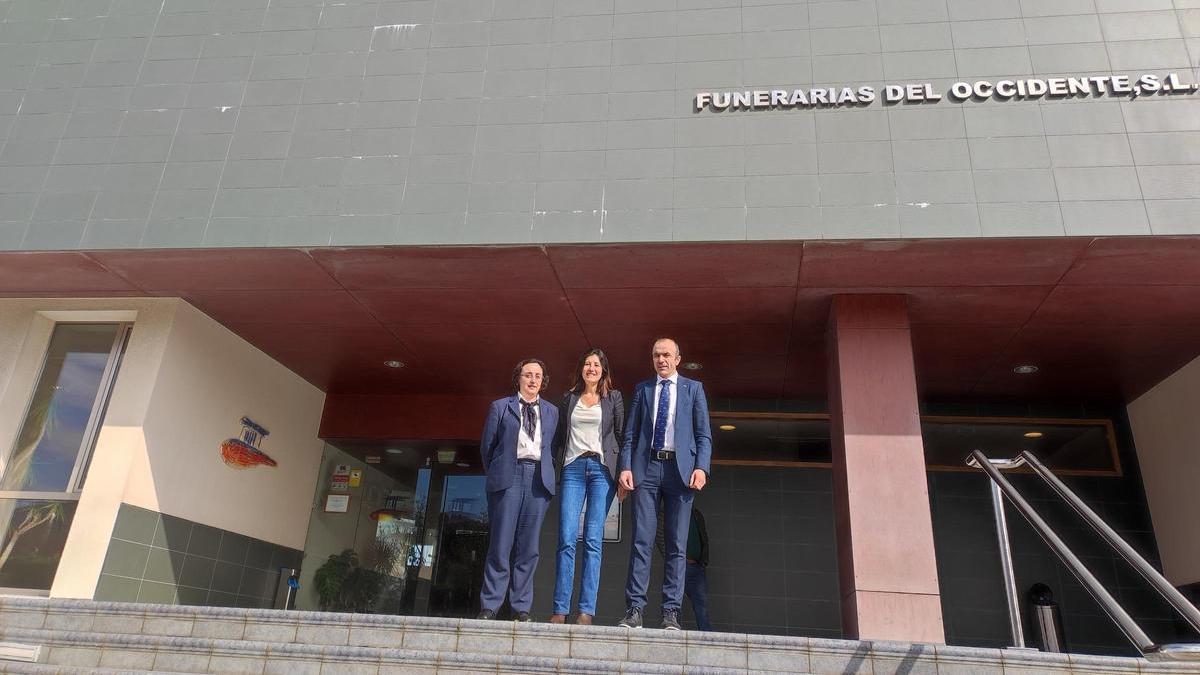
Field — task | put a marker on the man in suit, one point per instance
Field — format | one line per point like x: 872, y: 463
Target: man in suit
x: 695, y: 587
x: 518, y: 461
x: 664, y: 462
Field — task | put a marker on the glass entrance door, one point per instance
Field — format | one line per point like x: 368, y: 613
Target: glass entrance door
x: 412, y: 537
x: 462, y: 547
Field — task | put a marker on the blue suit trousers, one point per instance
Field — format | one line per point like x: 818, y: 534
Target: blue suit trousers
x: 661, y: 487
x: 515, y: 519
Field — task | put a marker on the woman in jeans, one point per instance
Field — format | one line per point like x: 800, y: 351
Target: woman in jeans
x: 591, y: 425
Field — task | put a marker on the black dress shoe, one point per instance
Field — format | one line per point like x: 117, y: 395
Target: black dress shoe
x: 486, y: 614
x: 523, y: 617
x: 633, y: 618
x: 671, y: 619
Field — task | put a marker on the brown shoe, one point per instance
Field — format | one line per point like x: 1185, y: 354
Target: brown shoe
x: 558, y: 618
x: 584, y: 620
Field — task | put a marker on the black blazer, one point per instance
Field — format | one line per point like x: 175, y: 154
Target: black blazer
x: 612, y: 428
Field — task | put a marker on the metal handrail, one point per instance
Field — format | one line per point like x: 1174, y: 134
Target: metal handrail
x: 1158, y: 581
x: 1107, y: 602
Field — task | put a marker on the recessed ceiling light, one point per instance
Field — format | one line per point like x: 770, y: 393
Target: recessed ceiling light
x: 1025, y: 370
x: 394, y: 364
x: 395, y: 451
x: 726, y: 427
x: 1033, y: 434
x: 463, y: 465
x: 692, y: 365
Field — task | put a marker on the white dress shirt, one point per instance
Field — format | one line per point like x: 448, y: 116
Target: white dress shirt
x: 529, y: 447
x: 669, y: 438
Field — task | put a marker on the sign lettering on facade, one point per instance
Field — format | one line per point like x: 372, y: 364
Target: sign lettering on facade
x: 1099, y: 86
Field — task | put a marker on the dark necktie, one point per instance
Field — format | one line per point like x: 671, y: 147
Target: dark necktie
x: 660, y: 419
x: 528, y: 418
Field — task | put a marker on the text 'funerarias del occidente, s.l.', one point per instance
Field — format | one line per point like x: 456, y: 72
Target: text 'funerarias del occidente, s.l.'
x: 1097, y: 86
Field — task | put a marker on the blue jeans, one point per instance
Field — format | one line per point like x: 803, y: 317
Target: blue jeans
x: 585, y: 479
x: 696, y: 589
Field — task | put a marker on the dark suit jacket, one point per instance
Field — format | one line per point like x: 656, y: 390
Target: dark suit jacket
x: 693, y: 437
x: 498, y: 444
x: 612, y: 428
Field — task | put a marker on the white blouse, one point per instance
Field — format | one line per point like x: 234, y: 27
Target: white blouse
x: 585, y: 432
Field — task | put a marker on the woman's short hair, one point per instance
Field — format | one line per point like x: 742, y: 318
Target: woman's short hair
x: 516, y: 376
x: 605, y: 385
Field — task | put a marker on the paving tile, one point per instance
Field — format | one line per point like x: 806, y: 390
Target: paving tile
x: 425, y: 640
x: 165, y: 626
x: 73, y: 656
x: 243, y: 665
x: 322, y: 635
x: 342, y: 667
x: 767, y: 653
x: 117, y: 623
x: 375, y: 637
x: 968, y: 661
x: 1103, y: 665
x: 407, y: 669
x: 722, y: 657
x: 133, y: 659
x: 69, y: 621
x: 671, y: 651
x: 587, y: 647
x: 281, y: 666
x: 542, y: 645
x: 830, y: 657
x: 19, y: 618
x: 474, y: 641
x: 270, y: 632
x: 1028, y: 663
x: 218, y: 629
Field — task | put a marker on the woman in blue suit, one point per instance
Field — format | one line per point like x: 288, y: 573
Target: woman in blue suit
x: 592, y: 422
x: 517, y: 447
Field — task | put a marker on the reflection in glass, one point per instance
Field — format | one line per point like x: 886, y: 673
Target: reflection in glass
x: 768, y: 439
x: 31, y: 541
x: 1085, y: 445
x: 462, y: 545
x: 56, y: 423
x: 1063, y: 445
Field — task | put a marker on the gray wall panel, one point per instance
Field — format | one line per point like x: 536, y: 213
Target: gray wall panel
x: 138, y: 123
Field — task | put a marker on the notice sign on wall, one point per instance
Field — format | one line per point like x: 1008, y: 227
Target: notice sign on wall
x: 337, y: 503
x: 1050, y: 88
x: 340, y: 481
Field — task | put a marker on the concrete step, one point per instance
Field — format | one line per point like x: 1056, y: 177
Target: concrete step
x: 174, y: 638
x: 142, y: 653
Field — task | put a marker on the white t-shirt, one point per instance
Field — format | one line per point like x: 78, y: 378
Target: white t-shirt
x: 585, y: 432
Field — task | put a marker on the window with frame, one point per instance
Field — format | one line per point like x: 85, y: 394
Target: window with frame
x: 45, y: 468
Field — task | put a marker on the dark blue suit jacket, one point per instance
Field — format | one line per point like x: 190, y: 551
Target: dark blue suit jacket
x: 693, y: 437
x: 498, y: 445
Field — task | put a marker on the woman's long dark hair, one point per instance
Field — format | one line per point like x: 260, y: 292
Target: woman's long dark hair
x: 605, y: 385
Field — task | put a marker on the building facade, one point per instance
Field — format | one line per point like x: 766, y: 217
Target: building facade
x: 263, y: 264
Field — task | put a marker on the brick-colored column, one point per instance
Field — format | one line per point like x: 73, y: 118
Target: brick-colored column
x: 889, y: 582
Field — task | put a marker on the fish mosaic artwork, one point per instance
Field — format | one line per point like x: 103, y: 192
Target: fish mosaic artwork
x: 243, y: 453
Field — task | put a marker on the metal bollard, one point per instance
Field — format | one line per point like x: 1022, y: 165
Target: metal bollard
x: 1047, y: 619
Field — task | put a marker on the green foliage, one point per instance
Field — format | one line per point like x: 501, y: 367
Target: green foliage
x: 344, y: 585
